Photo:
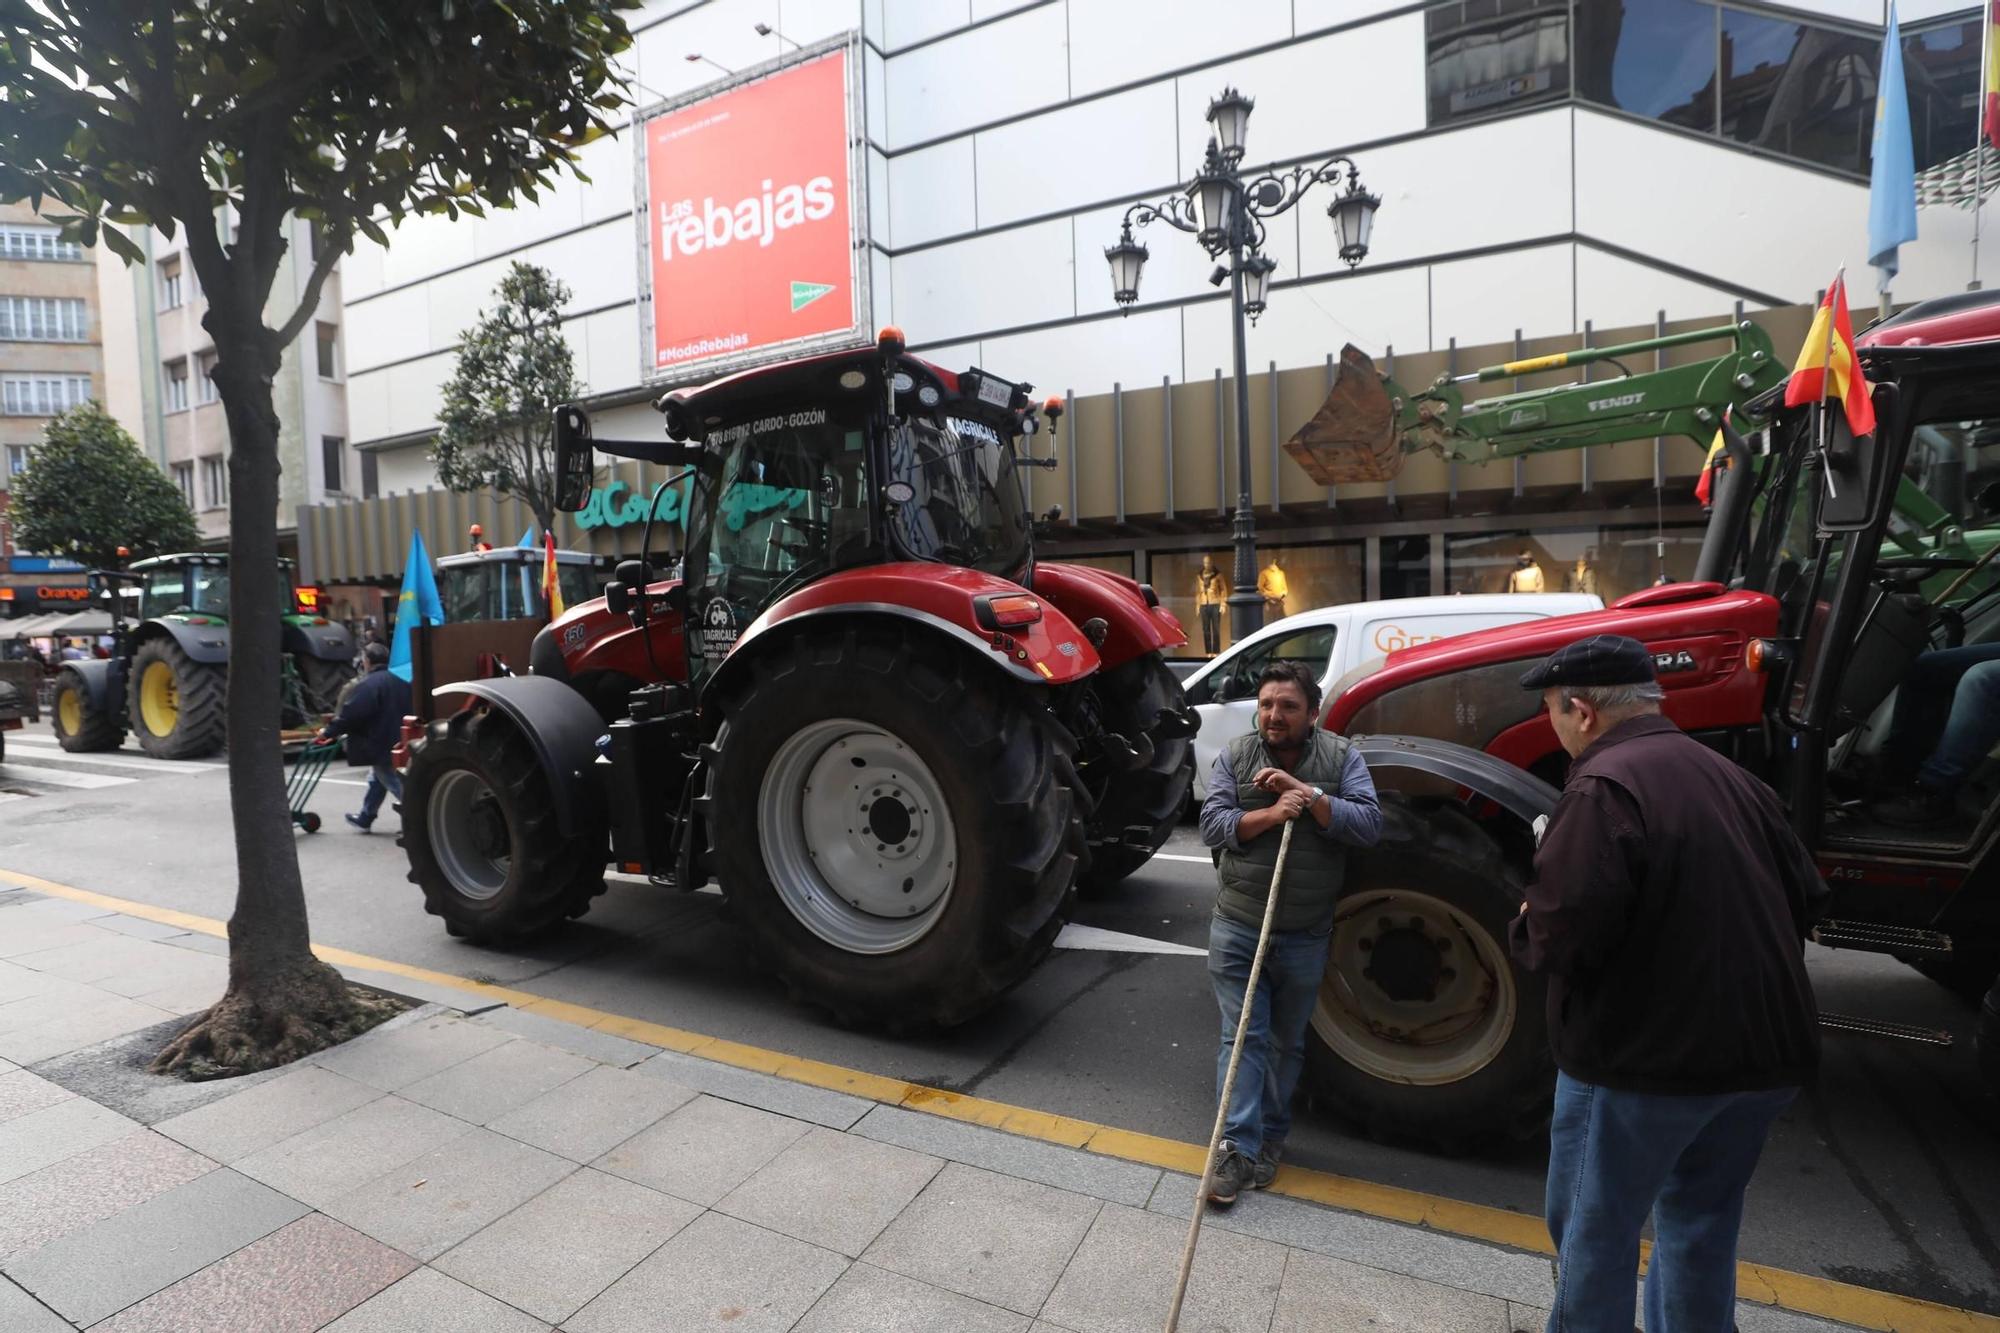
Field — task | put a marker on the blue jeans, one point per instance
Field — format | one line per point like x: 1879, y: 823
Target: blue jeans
x: 383, y: 780
x: 1945, y: 697
x: 1616, y: 1157
x: 1274, y: 1047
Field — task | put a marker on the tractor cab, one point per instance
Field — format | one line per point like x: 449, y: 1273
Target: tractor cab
x: 505, y: 583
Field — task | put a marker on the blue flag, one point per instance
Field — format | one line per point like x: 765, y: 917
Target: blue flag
x: 1892, y: 185
x: 418, y: 600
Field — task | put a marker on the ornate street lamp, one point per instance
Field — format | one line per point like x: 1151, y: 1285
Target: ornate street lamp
x: 1225, y: 213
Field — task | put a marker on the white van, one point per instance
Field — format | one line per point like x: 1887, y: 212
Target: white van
x: 1334, y: 640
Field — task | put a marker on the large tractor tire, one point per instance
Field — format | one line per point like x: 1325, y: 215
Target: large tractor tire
x: 480, y: 828
x: 894, y: 826
x: 1130, y: 701
x: 176, y: 703
x: 320, y: 683
x: 82, y: 728
x: 1425, y: 1030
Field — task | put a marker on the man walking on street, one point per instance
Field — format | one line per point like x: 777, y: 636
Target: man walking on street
x: 371, y: 719
x: 1286, y: 768
x: 1668, y: 905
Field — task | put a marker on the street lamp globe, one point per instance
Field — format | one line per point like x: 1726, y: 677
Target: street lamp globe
x: 1230, y: 115
x: 1214, y: 196
x: 1127, y: 260
x: 1353, y: 215
x: 1257, y: 272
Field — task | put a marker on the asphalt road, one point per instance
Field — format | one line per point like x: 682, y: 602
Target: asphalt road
x: 1886, y: 1174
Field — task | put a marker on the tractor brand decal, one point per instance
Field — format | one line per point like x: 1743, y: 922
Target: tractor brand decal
x: 1066, y: 648
x: 574, y: 635
x: 1614, y: 402
x: 1665, y: 663
x: 718, y: 629
x: 747, y: 231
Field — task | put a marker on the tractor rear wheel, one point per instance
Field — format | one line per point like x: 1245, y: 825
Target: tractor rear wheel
x: 320, y: 681
x: 80, y: 726
x: 1130, y: 701
x: 176, y: 702
x: 480, y: 828
x: 893, y: 826
x: 1425, y: 1030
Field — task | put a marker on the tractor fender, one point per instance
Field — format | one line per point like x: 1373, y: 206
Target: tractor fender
x: 560, y: 726
x: 207, y: 645
x: 98, y: 682
x: 330, y: 642
x: 1515, y: 790
x: 1051, y: 651
x: 1136, y: 623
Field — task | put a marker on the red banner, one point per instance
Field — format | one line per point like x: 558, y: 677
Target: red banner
x: 750, y: 242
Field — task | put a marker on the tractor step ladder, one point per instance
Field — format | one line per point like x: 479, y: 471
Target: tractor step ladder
x: 1873, y: 1027
x: 1903, y: 941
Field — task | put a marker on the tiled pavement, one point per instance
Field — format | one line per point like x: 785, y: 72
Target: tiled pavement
x: 505, y: 1172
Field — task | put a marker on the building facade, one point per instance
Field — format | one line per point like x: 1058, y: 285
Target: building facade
x: 1553, y: 172
x: 51, y: 359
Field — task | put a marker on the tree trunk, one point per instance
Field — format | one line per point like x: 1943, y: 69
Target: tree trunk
x: 282, y: 1002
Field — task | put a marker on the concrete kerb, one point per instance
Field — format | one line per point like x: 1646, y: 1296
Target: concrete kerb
x: 1781, y: 1290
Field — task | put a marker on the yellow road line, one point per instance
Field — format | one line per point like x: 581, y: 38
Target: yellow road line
x: 1802, y: 1293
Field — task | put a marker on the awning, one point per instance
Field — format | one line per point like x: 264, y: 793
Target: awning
x: 32, y: 627
x: 81, y: 623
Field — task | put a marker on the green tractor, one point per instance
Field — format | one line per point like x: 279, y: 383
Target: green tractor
x: 165, y: 677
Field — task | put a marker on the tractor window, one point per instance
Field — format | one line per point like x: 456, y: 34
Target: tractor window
x: 967, y: 507
x: 209, y: 589
x: 464, y: 591
x: 792, y: 500
x: 165, y: 592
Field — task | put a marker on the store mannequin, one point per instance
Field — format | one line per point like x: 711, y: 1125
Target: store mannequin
x: 1211, y: 595
x: 1526, y: 575
x: 1582, y: 577
x: 1272, y: 588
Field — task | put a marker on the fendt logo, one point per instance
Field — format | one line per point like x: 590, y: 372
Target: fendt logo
x: 760, y: 218
x: 1614, y: 402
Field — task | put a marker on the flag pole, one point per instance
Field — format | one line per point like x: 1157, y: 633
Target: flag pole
x: 1826, y: 381
x: 1979, y: 133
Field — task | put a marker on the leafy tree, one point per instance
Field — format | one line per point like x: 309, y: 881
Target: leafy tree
x: 89, y: 490
x: 349, y: 114
x: 513, y: 367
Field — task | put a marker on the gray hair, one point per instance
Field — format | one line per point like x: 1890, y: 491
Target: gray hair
x: 1640, y: 697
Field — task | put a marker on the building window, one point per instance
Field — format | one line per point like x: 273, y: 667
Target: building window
x: 183, y: 474
x: 209, y: 393
x: 17, y: 459
x: 1941, y: 71
x: 170, y: 284
x: 371, y: 479
x: 1801, y: 89
x: 177, y: 386
x: 26, y: 240
x: 1653, y: 58
x: 43, y: 319
x: 327, y: 339
x: 1483, y: 56
x: 331, y: 450
x: 215, y: 483
x: 42, y: 395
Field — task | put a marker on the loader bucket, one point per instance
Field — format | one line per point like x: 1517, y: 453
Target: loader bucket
x: 1353, y: 437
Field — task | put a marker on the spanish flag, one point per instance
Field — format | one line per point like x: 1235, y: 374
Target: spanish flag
x: 551, y: 585
x: 1826, y: 367
x: 1704, y: 489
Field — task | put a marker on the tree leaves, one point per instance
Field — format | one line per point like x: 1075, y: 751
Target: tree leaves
x: 89, y: 490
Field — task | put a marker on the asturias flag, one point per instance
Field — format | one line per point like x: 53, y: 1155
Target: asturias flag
x: 1827, y: 368
x: 418, y: 601
x: 551, y: 585
x: 1892, y: 183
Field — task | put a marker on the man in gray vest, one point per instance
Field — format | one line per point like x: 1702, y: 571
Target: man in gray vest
x: 1286, y: 768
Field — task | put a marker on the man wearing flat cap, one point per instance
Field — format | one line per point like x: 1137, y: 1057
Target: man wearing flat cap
x: 1668, y: 906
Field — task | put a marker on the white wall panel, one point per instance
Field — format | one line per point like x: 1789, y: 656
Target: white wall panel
x: 988, y: 74
x: 881, y: 289
x: 876, y: 96
x: 1486, y: 185
x: 453, y: 300
x: 1114, y: 42
x: 958, y: 356
x: 1941, y: 259
x: 874, y: 22
x: 878, y: 198
x: 387, y: 328
x: 600, y: 265
x: 1612, y: 293
x: 608, y: 163
x: 1484, y: 300
x: 361, y: 271
x: 1021, y: 276
x: 1090, y: 358
x: 611, y: 342
x: 1317, y: 97
x: 368, y: 406
x: 558, y: 208
x: 407, y: 469
x: 415, y: 393
x: 906, y: 21
x: 931, y: 193
x: 986, y: 9
x: 808, y: 21
x: 1101, y: 149
x: 1313, y: 15
x: 1855, y: 11
x: 1372, y: 311
x: 423, y: 245
x: 1915, y: 11
x: 722, y: 30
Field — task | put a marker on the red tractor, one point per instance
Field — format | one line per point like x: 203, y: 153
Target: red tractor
x: 897, y: 741
x: 1785, y: 652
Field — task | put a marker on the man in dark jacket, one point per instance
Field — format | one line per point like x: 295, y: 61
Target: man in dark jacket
x: 371, y: 719
x: 1285, y: 769
x: 1669, y: 903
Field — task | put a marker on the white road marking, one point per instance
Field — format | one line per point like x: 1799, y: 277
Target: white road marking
x: 15, y: 772
x: 1074, y: 936
x: 143, y: 765
x: 1176, y: 856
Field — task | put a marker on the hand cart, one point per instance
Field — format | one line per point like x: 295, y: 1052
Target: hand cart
x: 307, y: 770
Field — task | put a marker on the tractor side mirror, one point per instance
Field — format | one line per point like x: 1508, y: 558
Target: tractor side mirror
x: 617, y: 598
x: 576, y: 462
x: 1852, y: 480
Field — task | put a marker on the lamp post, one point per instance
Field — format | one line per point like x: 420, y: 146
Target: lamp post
x: 1225, y: 213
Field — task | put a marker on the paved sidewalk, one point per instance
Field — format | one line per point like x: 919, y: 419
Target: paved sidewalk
x: 502, y: 1172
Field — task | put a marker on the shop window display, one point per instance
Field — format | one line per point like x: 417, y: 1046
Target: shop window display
x: 1290, y: 579
x: 1609, y: 562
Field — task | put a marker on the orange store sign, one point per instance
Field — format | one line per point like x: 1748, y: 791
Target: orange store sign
x: 748, y: 249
